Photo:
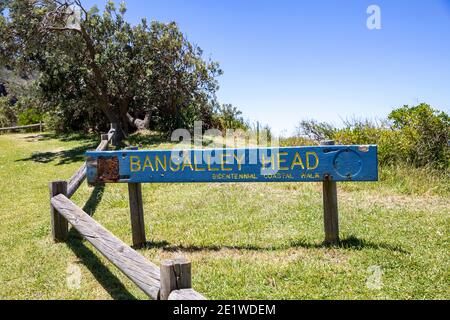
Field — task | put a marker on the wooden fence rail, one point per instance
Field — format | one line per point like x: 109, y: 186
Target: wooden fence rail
x: 78, y: 178
x: 143, y: 273
x: 140, y: 271
x: 171, y: 282
x: 31, y: 126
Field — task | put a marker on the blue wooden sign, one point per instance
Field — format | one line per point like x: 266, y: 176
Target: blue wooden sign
x: 293, y: 164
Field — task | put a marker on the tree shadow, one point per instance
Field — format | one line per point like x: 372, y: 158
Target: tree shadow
x: 65, y: 157
x: 90, y: 206
x: 102, y: 274
x: 351, y: 242
x: 148, y: 140
x: 65, y: 137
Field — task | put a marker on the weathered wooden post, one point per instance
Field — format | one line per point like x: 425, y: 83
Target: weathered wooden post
x: 137, y: 212
x: 104, y: 144
x: 115, y: 140
x: 175, y: 275
x: 330, y: 206
x: 104, y: 137
x: 60, y: 226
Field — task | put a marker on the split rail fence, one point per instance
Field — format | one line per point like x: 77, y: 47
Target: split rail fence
x: 39, y: 126
x: 170, y: 281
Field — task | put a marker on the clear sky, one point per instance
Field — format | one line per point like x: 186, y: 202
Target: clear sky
x: 288, y: 60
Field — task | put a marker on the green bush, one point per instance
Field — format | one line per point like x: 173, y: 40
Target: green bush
x: 296, y: 141
x: 30, y: 116
x: 314, y: 130
x: 359, y: 132
x: 424, y: 135
x: 8, y: 115
x: 416, y: 135
x: 228, y: 117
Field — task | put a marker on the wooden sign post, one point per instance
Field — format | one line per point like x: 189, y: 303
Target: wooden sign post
x: 327, y: 163
x: 60, y: 226
x: 330, y: 207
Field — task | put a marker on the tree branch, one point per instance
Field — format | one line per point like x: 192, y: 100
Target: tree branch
x: 62, y: 29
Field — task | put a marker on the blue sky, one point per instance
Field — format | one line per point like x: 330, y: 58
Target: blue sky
x: 288, y: 60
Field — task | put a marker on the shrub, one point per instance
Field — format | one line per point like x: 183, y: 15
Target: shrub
x: 228, y: 116
x: 315, y: 130
x: 29, y: 116
x: 358, y: 131
x: 424, y: 135
x: 415, y: 135
x: 8, y: 115
x: 296, y: 141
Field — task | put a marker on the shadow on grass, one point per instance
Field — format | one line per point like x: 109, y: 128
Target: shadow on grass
x: 351, y: 242
x: 102, y: 274
x: 76, y: 154
x: 147, y: 140
x: 153, y: 140
x: 65, y: 157
x: 64, y: 137
x: 94, y: 200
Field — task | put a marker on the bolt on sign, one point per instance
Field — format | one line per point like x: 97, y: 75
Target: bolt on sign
x: 293, y: 164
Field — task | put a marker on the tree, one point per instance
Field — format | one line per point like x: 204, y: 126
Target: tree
x: 98, y: 67
x: 314, y: 130
x: 229, y: 117
x: 424, y: 134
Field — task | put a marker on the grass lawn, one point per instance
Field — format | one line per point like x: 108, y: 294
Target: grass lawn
x: 245, y: 241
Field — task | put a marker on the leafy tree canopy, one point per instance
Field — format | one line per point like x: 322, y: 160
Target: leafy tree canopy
x: 95, y: 68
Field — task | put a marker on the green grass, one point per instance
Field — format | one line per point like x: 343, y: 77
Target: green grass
x: 245, y: 241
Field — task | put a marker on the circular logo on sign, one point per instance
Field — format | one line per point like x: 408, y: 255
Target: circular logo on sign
x: 347, y: 163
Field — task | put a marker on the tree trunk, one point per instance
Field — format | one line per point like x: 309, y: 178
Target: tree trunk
x: 117, y: 124
x: 123, y: 120
x: 138, y: 123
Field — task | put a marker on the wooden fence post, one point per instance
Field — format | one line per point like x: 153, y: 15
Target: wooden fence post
x: 116, y: 127
x: 60, y: 226
x: 137, y: 214
x: 175, y: 275
x: 136, y: 211
x: 330, y: 207
x: 104, y: 137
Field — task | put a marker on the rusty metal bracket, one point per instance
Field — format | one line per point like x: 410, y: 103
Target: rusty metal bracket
x: 107, y: 169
